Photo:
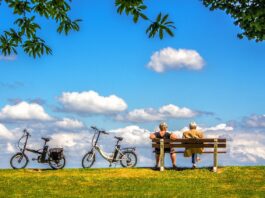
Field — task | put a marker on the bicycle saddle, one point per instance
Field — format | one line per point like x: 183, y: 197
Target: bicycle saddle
x: 119, y: 138
x: 46, y: 139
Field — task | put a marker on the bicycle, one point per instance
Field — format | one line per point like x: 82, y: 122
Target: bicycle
x: 54, y: 156
x: 125, y: 156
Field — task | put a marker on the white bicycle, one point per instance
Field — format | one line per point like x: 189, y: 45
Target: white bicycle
x: 126, y: 156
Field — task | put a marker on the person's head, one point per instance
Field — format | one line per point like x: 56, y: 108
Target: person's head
x: 193, y: 125
x: 163, y: 126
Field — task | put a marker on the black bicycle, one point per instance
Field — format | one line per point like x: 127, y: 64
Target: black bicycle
x: 125, y: 156
x: 54, y: 156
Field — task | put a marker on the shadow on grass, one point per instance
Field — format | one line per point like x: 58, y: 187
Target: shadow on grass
x: 182, y: 168
x: 210, y: 169
x: 39, y: 169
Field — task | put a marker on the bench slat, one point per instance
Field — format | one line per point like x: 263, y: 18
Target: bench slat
x: 189, y: 145
x: 205, y: 152
x: 190, y: 140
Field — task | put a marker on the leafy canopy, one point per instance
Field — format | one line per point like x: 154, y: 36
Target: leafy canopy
x: 249, y: 15
x: 25, y: 32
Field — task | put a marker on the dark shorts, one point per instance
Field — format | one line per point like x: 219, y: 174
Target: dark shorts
x: 167, y: 150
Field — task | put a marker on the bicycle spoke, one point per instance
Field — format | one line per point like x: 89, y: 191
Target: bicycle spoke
x: 19, y: 161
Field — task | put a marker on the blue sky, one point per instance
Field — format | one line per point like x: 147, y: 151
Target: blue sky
x: 110, y: 54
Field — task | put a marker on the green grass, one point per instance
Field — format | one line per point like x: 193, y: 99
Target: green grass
x: 138, y: 182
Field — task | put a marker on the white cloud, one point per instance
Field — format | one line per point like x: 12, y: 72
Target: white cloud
x: 10, y: 148
x: 24, y: 111
x: 246, y: 147
x: 67, y: 123
x: 140, y: 115
x: 257, y: 121
x: 5, y: 133
x: 133, y: 135
x: 8, y: 58
x: 151, y: 114
x: 170, y: 58
x: 91, y: 102
x: 146, y: 160
x: 219, y: 127
x: 63, y: 139
x: 80, y: 142
x: 176, y: 112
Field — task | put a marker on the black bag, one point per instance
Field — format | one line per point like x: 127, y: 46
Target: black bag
x: 56, y: 153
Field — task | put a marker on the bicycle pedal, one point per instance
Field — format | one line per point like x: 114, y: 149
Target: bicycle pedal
x: 34, y: 159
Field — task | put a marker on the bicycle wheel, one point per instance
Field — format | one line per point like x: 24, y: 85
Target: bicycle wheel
x: 128, y: 159
x: 88, y: 160
x: 19, y: 161
x: 57, y: 164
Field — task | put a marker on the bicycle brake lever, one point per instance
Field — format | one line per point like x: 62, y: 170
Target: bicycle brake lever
x: 93, y: 127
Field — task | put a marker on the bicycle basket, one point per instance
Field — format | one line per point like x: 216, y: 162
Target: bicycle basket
x: 56, y: 153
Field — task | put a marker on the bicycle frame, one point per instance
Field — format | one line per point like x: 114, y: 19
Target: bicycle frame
x: 110, y: 157
x: 125, y: 156
x: 54, y: 157
x: 42, y: 154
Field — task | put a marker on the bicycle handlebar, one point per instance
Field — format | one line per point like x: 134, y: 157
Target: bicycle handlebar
x: 100, y: 131
x: 104, y: 132
x: 26, y: 132
x: 95, y: 128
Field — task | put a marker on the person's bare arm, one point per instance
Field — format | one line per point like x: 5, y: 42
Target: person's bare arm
x: 152, y: 136
x: 173, y: 136
x: 201, y: 135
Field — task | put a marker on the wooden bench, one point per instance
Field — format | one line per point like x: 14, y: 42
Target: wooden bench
x: 211, y: 145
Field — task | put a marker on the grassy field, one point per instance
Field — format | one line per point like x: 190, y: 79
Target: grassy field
x: 138, y: 182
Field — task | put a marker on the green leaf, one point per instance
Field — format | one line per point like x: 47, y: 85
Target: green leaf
x: 135, y: 18
x: 161, y: 33
x: 143, y: 16
x: 169, y: 31
x: 164, y: 18
x: 158, y: 17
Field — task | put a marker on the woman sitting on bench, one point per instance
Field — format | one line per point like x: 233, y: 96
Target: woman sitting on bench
x: 163, y: 133
x: 192, y: 152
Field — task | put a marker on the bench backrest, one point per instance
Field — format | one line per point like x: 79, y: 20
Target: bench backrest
x: 190, y: 143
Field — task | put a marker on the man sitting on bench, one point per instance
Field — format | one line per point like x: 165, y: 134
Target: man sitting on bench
x: 166, y: 135
x: 192, y: 152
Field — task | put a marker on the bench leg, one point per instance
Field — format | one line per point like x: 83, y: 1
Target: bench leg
x: 162, y: 168
x: 215, y: 161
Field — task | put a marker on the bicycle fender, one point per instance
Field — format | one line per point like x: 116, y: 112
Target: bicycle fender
x: 129, y: 149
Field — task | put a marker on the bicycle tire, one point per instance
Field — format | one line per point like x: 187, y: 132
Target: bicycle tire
x: 125, y: 162
x: 90, y: 158
x: 18, y: 156
x: 55, y: 165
